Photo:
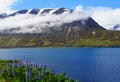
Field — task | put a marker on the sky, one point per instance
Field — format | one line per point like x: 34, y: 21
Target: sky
x: 105, y: 12
x: 71, y: 4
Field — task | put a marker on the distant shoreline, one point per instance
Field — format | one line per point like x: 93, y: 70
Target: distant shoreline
x: 61, y: 47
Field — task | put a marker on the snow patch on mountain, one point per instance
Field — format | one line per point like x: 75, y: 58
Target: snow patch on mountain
x: 115, y: 27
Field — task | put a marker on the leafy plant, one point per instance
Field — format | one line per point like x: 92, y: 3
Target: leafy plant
x: 19, y: 71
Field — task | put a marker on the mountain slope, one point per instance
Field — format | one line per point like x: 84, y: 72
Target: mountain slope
x: 46, y: 20
x: 115, y: 27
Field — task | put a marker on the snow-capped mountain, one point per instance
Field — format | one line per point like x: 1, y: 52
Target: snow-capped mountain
x: 115, y: 27
x: 38, y: 12
x: 46, y: 20
x: 3, y: 15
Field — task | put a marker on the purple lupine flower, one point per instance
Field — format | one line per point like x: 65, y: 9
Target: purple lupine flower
x: 29, y: 61
x: 37, y: 76
x: 36, y: 66
x: 30, y: 72
x: 44, y: 66
x: 14, y: 64
x: 26, y: 66
x: 13, y: 72
x: 21, y: 61
x: 10, y: 66
x: 19, y: 64
x: 3, y: 71
x: 27, y: 76
x: 51, y: 71
x: 43, y: 69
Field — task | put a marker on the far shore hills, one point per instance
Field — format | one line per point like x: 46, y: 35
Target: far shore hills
x: 101, y: 38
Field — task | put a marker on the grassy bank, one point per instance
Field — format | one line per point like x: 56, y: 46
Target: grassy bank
x: 2, y: 63
x: 25, y: 71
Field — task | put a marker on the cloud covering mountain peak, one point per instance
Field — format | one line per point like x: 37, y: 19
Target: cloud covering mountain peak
x: 36, y: 19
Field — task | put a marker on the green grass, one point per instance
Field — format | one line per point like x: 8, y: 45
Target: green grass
x: 101, y: 39
x: 95, y: 43
x: 2, y: 63
x: 17, y: 71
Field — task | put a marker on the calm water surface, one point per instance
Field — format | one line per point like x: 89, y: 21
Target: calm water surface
x: 83, y: 64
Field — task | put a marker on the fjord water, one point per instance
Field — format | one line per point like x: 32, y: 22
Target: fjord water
x: 83, y: 64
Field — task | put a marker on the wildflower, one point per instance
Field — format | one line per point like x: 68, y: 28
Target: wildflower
x: 29, y: 61
x: 35, y: 66
x: 37, y: 76
x: 13, y: 72
x: 51, y: 71
x: 19, y: 64
x: 3, y: 71
x: 26, y: 67
x: 14, y: 64
x: 10, y: 66
x: 27, y: 76
x: 27, y: 64
x: 43, y: 69
x: 21, y: 61
x: 30, y: 72
x: 44, y: 66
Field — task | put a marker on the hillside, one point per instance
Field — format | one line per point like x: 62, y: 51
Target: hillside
x: 98, y: 38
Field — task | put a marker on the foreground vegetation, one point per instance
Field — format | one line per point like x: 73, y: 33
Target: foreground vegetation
x: 18, y: 71
x: 2, y: 63
x: 75, y: 38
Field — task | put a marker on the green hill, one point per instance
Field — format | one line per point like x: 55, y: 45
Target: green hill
x: 98, y: 38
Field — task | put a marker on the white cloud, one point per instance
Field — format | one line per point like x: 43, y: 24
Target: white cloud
x: 6, y: 6
x: 79, y: 8
x: 103, y: 15
x: 38, y: 22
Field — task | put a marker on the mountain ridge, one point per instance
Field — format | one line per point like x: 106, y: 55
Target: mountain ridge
x: 57, y: 18
x: 115, y: 27
x: 37, y: 11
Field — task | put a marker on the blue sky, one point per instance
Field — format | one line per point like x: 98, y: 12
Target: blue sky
x: 71, y: 4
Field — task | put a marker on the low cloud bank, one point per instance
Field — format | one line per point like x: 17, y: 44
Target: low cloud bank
x: 104, y: 16
x: 25, y: 22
